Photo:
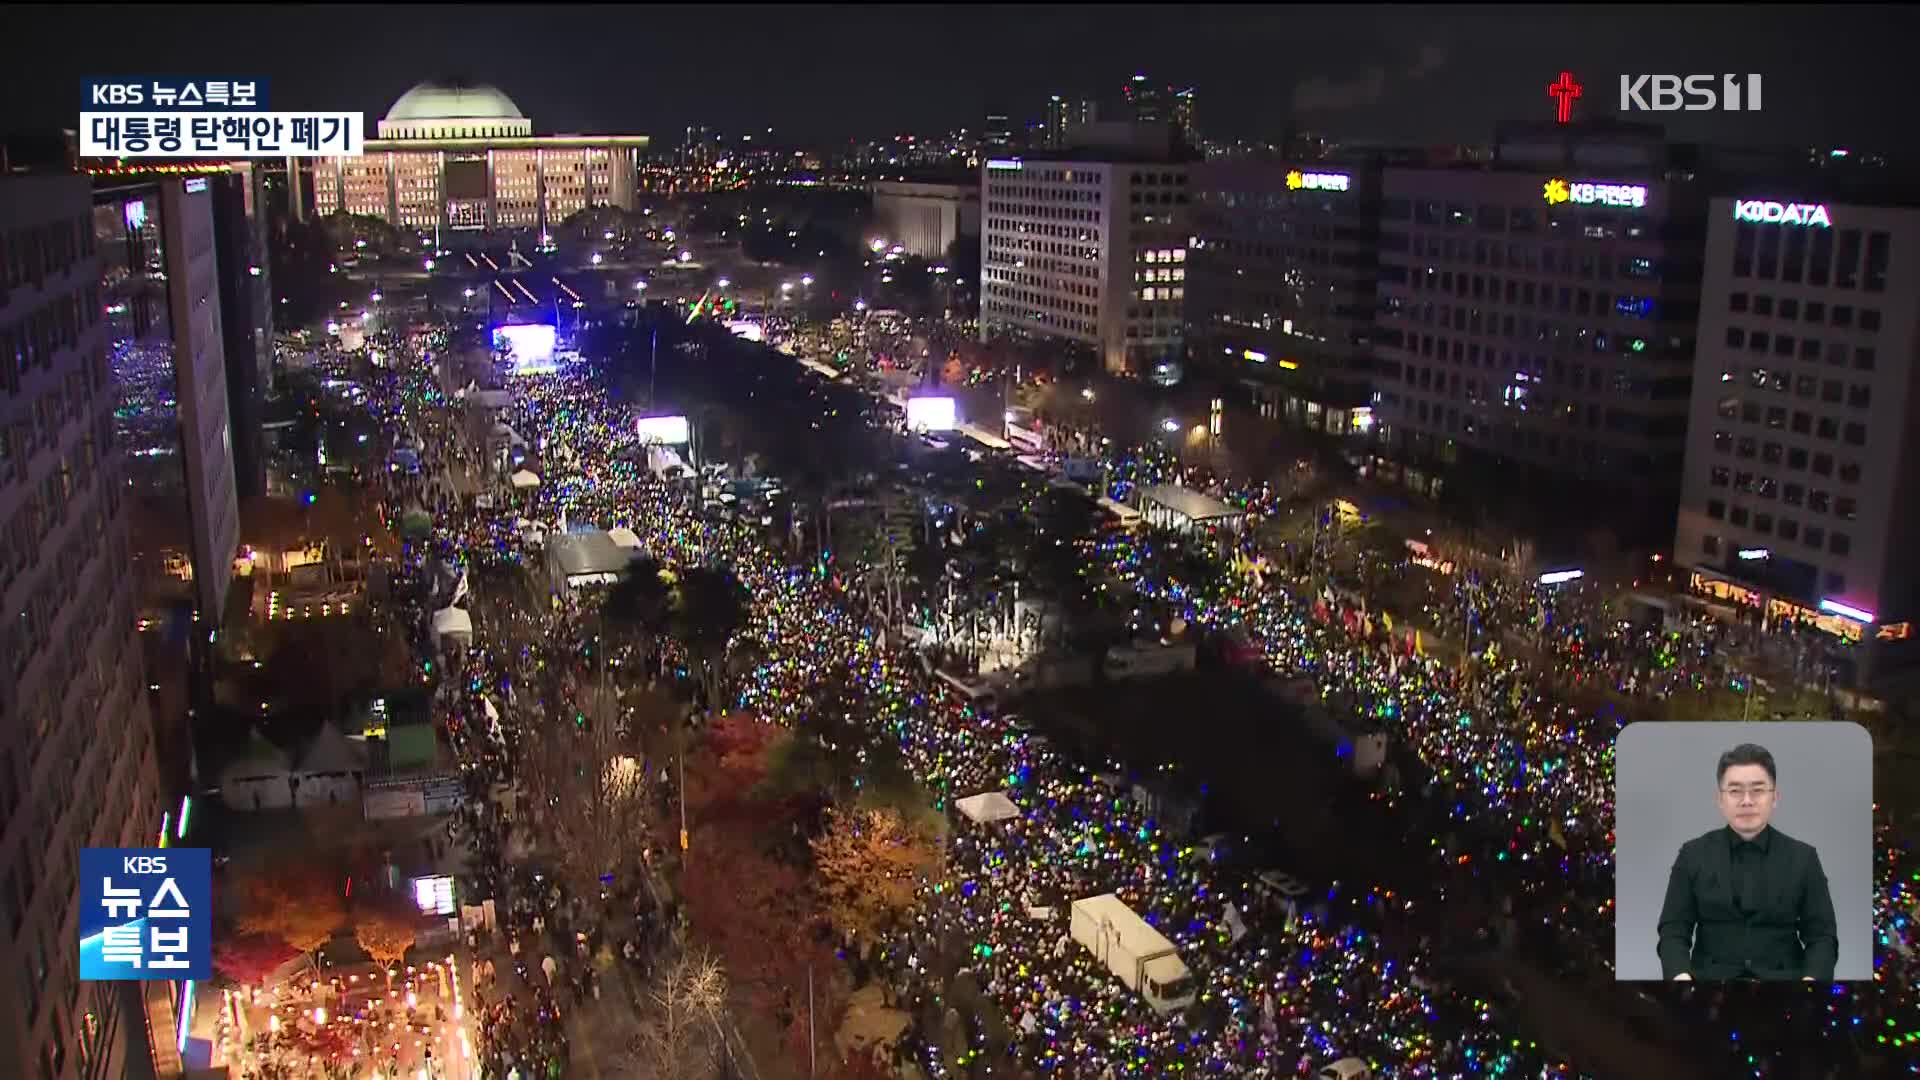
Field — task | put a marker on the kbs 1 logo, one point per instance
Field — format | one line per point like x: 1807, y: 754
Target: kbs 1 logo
x: 146, y: 913
x: 1690, y: 93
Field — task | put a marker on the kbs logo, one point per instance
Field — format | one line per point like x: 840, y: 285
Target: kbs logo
x: 116, y: 94
x: 1689, y: 93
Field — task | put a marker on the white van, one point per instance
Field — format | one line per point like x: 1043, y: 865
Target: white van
x: 1351, y: 1068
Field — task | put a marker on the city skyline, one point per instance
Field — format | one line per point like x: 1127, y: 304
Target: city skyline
x: 1444, y: 75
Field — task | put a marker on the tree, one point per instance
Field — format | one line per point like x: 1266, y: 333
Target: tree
x: 709, y: 607
x: 639, y: 604
x: 590, y: 789
x: 384, y: 923
x: 870, y: 864
x: 297, y: 901
x: 681, y: 1037
x: 248, y: 959
x: 751, y: 909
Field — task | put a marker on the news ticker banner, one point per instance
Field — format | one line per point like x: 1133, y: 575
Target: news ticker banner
x: 161, y: 117
x: 146, y: 913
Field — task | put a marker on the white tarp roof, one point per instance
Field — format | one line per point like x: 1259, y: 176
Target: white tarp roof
x: 332, y: 752
x: 525, y: 479
x: 988, y: 806
x: 452, y: 620
x: 625, y: 537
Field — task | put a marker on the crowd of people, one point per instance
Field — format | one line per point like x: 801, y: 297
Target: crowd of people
x: 1299, y: 988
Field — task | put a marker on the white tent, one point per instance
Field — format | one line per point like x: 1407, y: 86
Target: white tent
x: 452, y: 620
x: 988, y: 806
x: 524, y: 479
x: 625, y: 537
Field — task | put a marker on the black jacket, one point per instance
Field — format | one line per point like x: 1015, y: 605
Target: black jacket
x: 1783, y: 928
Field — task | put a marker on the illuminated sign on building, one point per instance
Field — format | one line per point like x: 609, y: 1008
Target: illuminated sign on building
x: 1586, y: 193
x: 1847, y: 611
x: 1808, y: 215
x: 1563, y: 92
x: 1009, y: 164
x: 1315, y: 181
x: 1255, y: 355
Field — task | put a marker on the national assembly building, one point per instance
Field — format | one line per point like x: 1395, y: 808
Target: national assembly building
x: 451, y: 156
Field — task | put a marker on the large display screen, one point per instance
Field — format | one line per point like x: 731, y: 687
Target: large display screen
x: 931, y: 414
x: 665, y: 430
x: 529, y: 345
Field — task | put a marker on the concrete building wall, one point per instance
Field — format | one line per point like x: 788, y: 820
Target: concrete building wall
x: 77, y: 765
x: 1805, y: 411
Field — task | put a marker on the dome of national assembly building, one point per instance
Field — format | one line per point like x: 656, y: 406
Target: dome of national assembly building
x: 446, y: 109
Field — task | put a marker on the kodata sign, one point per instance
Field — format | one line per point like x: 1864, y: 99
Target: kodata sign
x: 1763, y: 212
x: 1588, y: 193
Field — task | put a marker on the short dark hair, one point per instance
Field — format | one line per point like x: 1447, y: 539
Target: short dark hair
x: 1747, y: 754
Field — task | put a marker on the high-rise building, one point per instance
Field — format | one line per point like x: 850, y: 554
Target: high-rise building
x: 1540, y: 312
x: 1281, y: 277
x: 925, y: 218
x: 167, y: 347
x: 1063, y: 115
x: 240, y: 224
x: 77, y: 756
x: 997, y: 134
x: 1802, y: 479
x: 1091, y: 251
x: 452, y: 156
x: 1149, y: 102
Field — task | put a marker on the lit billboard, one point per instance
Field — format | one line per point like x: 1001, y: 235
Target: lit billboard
x: 931, y: 414
x: 747, y: 328
x: 665, y: 430
x: 530, y: 345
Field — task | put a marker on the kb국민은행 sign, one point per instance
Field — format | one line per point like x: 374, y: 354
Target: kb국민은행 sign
x: 1588, y: 193
x: 146, y: 913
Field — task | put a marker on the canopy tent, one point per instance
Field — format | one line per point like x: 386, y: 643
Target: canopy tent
x: 525, y: 479
x: 258, y: 778
x: 625, y: 537
x: 452, y: 620
x: 988, y: 807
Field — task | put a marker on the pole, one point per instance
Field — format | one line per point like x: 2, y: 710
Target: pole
x: 682, y: 756
x: 653, y: 366
x: 810, y: 1037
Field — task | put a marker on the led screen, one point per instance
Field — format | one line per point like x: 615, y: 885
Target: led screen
x: 666, y: 430
x: 931, y: 414
x: 531, y: 346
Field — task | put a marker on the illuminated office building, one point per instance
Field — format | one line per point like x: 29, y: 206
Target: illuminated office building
x: 77, y: 749
x: 1282, y: 273
x: 1539, y: 312
x: 453, y: 157
x: 1800, y: 484
x: 1089, y: 248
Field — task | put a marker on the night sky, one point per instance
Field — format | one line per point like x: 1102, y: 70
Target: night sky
x: 1834, y: 74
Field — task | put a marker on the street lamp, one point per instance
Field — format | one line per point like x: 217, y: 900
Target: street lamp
x: 786, y: 286
x: 723, y: 283
x: 1170, y: 425
x: 806, y: 279
x: 596, y: 258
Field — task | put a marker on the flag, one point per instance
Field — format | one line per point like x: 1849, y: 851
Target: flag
x: 1236, y: 926
x: 1558, y: 837
x: 460, y: 590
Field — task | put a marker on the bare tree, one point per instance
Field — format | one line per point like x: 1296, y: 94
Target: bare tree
x: 588, y: 788
x: 680, y: 1038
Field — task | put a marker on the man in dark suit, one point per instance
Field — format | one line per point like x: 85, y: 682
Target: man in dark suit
x: 1747, y: 901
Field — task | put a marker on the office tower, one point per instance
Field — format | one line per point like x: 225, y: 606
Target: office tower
x: 1089, y: 250
x: 1539, y: 312
x: 1802, y: 471
x: 998, y: 132
x: 1065, y: 113
x: 77, y: 754
x: 1149, y: 102
x: 240, y: 223
x: 166, y: 341
x: 1281, y: 280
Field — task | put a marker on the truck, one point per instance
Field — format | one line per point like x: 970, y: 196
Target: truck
x: 1136, y: 953
x: 1149, y: 659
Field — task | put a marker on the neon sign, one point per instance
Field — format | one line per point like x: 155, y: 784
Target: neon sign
x: 1312, y: 181
x: 1563, y: 92
x: 1807, y: 215
x: 1010, y: 164
x: 1587, y: 193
